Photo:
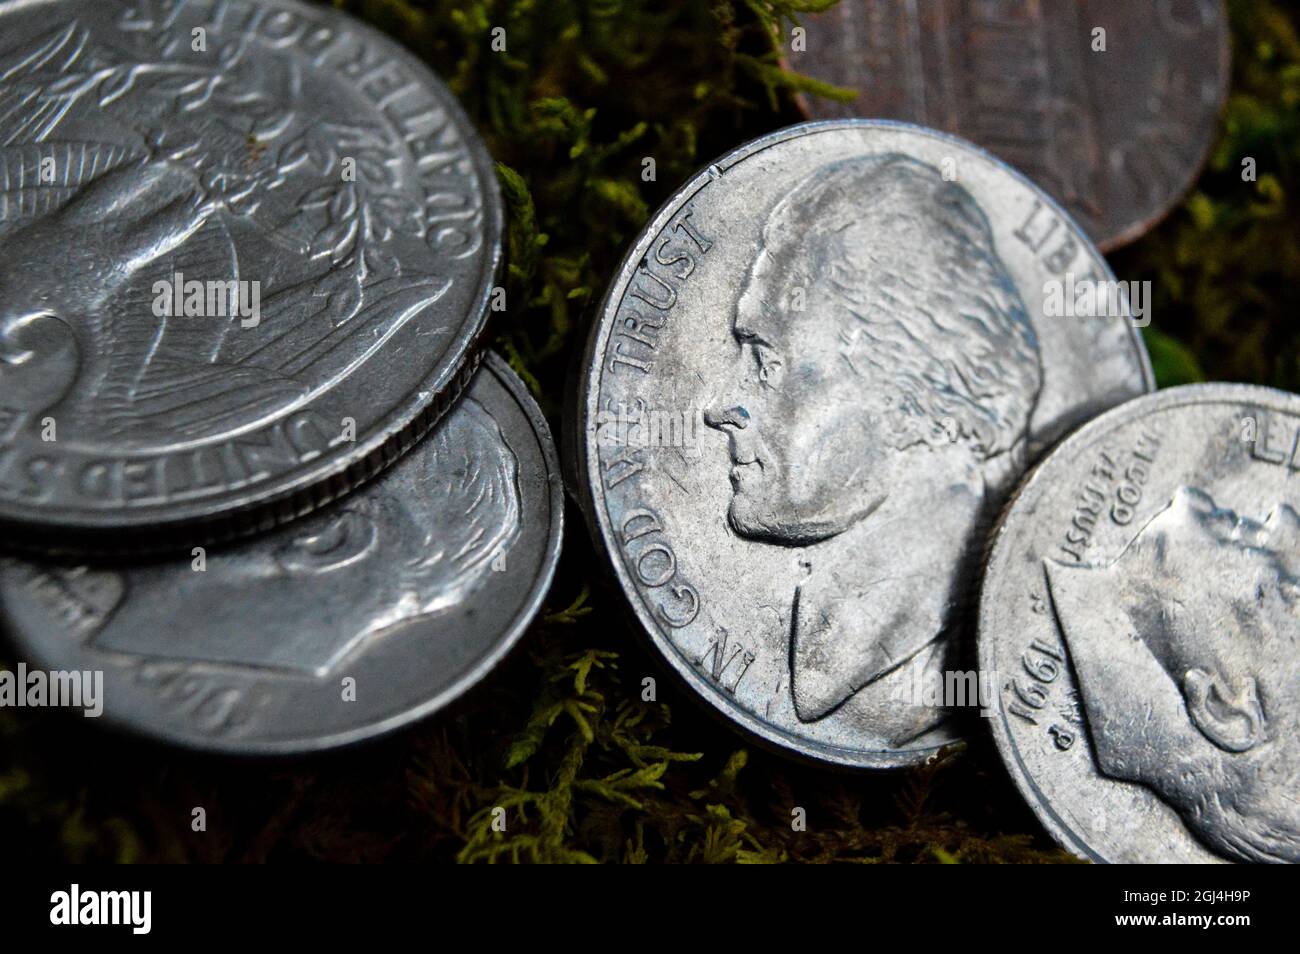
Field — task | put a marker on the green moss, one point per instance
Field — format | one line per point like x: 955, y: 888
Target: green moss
x: 560, y: 737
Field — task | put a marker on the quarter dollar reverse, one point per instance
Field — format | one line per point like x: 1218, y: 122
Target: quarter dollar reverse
x: 1141, y: 614
x: 815, y: 377
x: 357, y: 620
x: 247, y: 252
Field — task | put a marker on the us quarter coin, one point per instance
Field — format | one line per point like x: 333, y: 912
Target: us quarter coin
x: 813, y: 379
x: 246, y: 248
x: 347, y: 624
x: 1141, y: 613
x: 1110, y: 105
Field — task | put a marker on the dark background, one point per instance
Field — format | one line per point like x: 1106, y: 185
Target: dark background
x: 558, y: 735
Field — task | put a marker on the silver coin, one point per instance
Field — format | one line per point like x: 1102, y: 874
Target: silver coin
x: 1141, y: 612
x: 834, y: 341
x: 350, y: 623
x: 247, y: 247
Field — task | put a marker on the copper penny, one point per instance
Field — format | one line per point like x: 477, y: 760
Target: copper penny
x: 1110, y: 105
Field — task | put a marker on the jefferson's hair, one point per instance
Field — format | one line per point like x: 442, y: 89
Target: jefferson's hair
x: 911, y: 257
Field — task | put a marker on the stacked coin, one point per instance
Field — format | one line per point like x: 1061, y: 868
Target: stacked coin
x: 248, y: 253
x: 369, y: 613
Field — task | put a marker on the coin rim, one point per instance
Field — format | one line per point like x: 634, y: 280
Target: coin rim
x: 749, y: 724
x: 1205, y: 392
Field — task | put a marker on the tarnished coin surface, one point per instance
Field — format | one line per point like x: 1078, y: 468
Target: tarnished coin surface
x: 349, y: 623
x: 1110, y: 105
x: 246, y: 248
x: 812, y: 381
x: 1141, y: 614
